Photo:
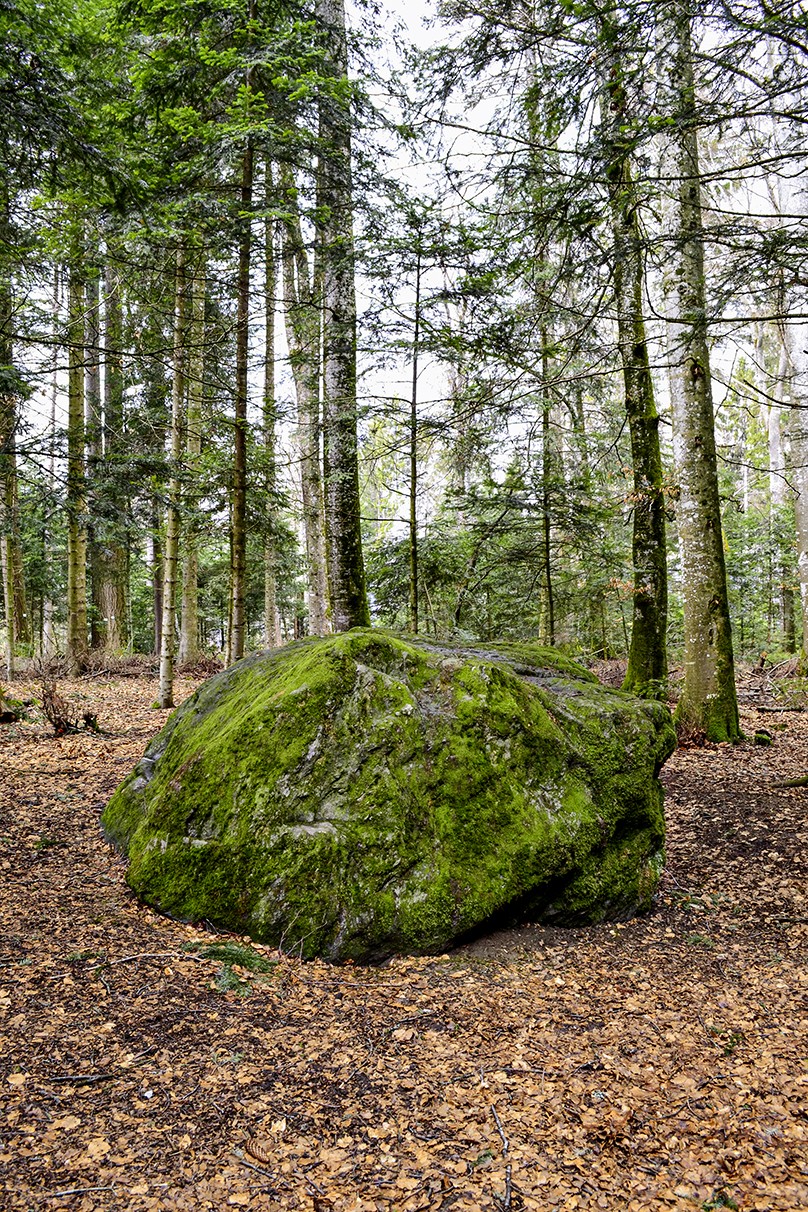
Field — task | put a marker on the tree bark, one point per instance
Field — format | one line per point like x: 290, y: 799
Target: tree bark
x: 111, y: 554
x: 346, y: 570
x: 238, y: 533
x: 77, y: 648
x: 272, y: 621
x: 414, y: 450
x: 647, y: 669
x: 303, y: 330
x: 18, y: 623
x: 189, y: 616
x: 708, y: 702
x: 172, y: 513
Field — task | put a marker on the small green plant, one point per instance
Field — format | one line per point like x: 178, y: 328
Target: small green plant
x: 700, y: 940
x: 47, y: 843
x: 719, y: 1199
x: 226, y: 981
x: 232, y: 955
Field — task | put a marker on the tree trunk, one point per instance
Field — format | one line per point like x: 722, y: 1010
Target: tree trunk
x: 302, y: 320
x: 49, y: 641
x: 76, y: 481
x: 547, y: 469
x: 779, y: 512
x: 172, y: 526
x: 94, y: 448
x: 647, y: 670
x: 796, y: 337
x: 272, y: 621
x: 189, y: 618
x: 414, y: 452
x: 238, y: 532
x: 708, y: 701
x: 111, y: 556
x: 346, y: 570
x: 18, y: 623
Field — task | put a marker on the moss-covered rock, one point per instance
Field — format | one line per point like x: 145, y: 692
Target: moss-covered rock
x: 363, y: 794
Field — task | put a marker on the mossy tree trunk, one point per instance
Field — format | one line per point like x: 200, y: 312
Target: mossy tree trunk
x: 345, y: 561
x: 708, y: 701
x: 647, y: 670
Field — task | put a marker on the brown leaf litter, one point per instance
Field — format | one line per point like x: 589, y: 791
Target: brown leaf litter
x: 659, y: 1064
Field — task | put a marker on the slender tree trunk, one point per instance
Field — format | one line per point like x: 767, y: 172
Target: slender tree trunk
x: 77, y: 648
x: 303, y: 331
x: 414, y: 453
x: 8, y: 425
x: 173, y: 502
x: 272, y: 621
x: 93, y: 440
x: 708, y: 701
x: 49, y: 640
x: 238, y: 533
x: 647, y: 670
x: 546, y: 479
x: 778, y: 493
x: 189, y: 619
x: 111, y: 547
x: 796, y: 338
x: 172, y: 527
x: 346, y: 570
x: 18, y: 623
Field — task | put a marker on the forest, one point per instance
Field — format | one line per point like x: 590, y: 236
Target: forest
x: 498, y: 335
x: 422, y: 334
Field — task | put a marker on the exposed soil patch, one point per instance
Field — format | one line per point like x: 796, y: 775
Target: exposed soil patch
x: 657, y: 1064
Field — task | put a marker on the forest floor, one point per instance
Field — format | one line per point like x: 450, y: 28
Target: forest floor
x: 656, y: 1064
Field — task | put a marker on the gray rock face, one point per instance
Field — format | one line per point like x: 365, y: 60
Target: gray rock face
x: 363, y: 794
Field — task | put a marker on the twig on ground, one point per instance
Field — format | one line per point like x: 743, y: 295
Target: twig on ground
x: 506, y: 1199
x: 501, y: 1131
x: 74, y: 1191
x: 81, y: 1079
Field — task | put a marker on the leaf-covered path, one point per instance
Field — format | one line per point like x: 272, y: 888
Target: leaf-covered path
x: 660, y: 1064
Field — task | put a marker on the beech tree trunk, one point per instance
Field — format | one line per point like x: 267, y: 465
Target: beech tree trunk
x: 172, y: 512
x: 303, y: 329
x: 647, y: 670
x: 77, y: 648
x: 189, y: 615
x: 346, y: 570
x: 708, y: 701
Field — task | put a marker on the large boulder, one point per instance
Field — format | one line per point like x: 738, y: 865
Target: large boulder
x: 363, y: 794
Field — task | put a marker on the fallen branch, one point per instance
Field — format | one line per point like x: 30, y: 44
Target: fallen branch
x: 501, y: 1131
x: 74, y: 1191
x: 802, y: 781
x: 80, y: 1079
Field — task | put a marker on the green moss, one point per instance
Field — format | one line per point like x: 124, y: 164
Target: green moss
x: 363, y: 793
